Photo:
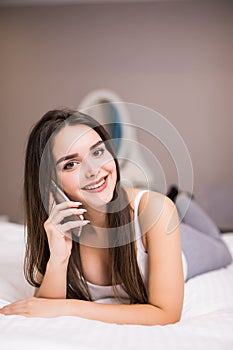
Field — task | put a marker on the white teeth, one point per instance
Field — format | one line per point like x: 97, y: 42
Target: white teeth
x: 95, y: 186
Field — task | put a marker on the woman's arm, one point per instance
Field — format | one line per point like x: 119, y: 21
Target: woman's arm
x: 53, y: 284
x: 142, y: 314
x: 165, y: 284
x: 165, y: 276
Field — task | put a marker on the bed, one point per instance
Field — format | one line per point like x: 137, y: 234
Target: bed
x: 206, y: 322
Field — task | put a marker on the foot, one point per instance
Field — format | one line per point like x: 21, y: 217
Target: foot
x: 172, y: 193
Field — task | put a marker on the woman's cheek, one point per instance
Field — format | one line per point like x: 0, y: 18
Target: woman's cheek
x: 110, y: 166
x: 70, y: 182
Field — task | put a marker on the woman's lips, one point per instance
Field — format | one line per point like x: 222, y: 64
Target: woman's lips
x: 98, y: 186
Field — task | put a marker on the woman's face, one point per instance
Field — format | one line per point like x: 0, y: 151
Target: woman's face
x: 86, y: 170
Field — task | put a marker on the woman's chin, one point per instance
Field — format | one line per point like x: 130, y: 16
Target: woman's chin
x: 98, y: 202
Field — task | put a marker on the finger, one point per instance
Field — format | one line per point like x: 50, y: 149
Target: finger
x: 73, y: 224
x: 64, y: 205
x: 19, y: 307
x: 21, y: 302
x: 14, y: 304
x: 68, y: 204
x: 61, y: 215
x: 12, y: 309
x: 17, y: 312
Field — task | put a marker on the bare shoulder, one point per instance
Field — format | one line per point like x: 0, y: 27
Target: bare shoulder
x: 154, y: 208
x: 152, y: 196
x: 152, y: 203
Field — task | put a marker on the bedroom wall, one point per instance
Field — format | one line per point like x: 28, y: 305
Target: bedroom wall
x: 174, y: 57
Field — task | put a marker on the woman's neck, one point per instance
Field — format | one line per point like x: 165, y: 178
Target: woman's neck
x: 97, y: 217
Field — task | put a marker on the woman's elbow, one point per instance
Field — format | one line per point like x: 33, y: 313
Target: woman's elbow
x: 164, y: 317
x: 173, y: 317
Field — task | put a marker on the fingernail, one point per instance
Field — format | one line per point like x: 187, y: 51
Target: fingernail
x: 77, y: 203
x: 86, y: 221
x: 83, y: 210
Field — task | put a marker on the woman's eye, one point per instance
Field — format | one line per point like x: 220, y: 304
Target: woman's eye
x: 70, y: 165
x: 98, y: 152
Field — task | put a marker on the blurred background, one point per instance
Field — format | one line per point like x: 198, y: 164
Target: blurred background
x: 175, y: 57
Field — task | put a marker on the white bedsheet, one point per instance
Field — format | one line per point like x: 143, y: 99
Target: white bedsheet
x: 206, y: 322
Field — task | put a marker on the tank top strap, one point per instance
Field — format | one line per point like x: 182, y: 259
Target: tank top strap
x: 137, y: 227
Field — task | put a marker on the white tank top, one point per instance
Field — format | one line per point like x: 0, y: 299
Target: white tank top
x: 105, y: 294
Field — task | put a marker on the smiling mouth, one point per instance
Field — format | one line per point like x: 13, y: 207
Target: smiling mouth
x: 96, y: 185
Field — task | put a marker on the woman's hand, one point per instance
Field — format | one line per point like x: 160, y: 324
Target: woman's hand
x: 37, y: 307
x: 59, y: 237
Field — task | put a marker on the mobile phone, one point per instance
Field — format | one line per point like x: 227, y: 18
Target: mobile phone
x: 60, y: 197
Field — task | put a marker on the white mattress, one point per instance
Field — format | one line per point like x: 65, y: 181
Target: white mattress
x: 206, y: 322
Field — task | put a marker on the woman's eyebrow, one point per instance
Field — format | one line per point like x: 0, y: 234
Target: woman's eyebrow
x: 69, y: 156
x: 75, y: 155
x: 96, y: 144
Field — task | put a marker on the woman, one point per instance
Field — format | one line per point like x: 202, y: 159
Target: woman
x: 127, y: 265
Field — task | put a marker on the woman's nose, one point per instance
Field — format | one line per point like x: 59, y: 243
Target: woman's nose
x: 91, y: 169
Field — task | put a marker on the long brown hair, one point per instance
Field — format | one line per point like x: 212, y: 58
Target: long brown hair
x: 36, y: 197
